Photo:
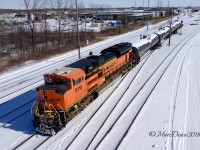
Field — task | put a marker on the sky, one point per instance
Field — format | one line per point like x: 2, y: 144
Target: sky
x: 17, y: 4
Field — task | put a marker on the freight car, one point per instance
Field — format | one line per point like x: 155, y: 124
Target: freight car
x: 70, y: 88
x: 146, y: 43
x: 164, y: 32
x: 175, y: 26
x: 151, y: 42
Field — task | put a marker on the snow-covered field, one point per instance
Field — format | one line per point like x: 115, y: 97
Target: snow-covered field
x: 24, y: 79
x: 155, y: 106
x: 67, y: 25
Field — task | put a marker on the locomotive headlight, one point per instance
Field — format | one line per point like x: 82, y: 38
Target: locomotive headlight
x: 48, y: 80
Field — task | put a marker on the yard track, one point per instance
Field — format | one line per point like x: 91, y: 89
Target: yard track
x: 104, y: 102
x: 26, y: 143
x: 183, y: 43
x: 17, y: 77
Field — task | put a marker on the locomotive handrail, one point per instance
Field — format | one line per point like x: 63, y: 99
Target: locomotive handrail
x: 40, y: 115
x: 33, y: 107
x: 50, y: 105
x: 63, y: 111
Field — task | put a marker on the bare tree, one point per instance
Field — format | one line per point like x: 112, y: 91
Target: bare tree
x: 31, y: 7
x: 60, y: 6
x: 103, y: 6
x: 81, y: 7
x: 2, y: 35
x: 94, y: 7
x: 124, y: 19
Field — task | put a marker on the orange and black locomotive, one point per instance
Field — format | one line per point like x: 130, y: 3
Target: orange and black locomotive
x: 71, y: 87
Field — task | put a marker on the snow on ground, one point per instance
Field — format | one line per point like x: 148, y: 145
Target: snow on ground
x: 173, y: 105
x: 167, y: 104
x: 23, y: 79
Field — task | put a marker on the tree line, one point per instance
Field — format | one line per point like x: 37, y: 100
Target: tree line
x: 32, y: 39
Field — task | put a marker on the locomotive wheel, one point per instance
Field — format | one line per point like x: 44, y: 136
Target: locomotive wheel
x: 91, y: 98
x: 95, y: 95
x: 56, y: 129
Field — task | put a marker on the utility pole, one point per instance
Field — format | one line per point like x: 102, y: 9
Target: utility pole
x: 143, y: 11
x: 148, y: 17
x: 160, y: 8
x: 77, y: 27
x: 170, y: 33
x: 159, y: 3
x: 85, y: 32
x: 168, y: 6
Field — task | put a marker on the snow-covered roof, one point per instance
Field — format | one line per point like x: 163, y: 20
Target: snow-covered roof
x: 141, y: 42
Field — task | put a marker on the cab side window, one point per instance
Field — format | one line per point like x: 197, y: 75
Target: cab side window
x: 75, y: 82
x: 66, y: 82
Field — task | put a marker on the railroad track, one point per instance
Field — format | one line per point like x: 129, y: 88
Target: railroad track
x: 30, y: 137
x: 106, y: 100
x: 7, y: 122
x: 61, y: 62
x: 34, y: 137
x: 28, y: 140
x: 107, y: 117
x: 12, y: 80
x: 8, y: 96
x: 138, y: 112
x: 25, y: 142
x: 11, y: 100
x: 20, y: 78
x: 28, y: 110
x: 15, y: 113
x: 125, y: 107
x: 48, y: 137
x: 17, y: 108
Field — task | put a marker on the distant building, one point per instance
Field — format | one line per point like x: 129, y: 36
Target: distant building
x: 20, y: 16
x: 87, y: 15
x: 122, y: 16
x: 158, y: 13
x: 6, y: 16
x: 44, y: 16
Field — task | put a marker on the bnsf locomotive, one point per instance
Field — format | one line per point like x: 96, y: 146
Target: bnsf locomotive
x: 68, y: 90
x: 72, y: 86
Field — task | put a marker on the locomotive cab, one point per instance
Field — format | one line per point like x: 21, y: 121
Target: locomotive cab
x: 63, y: 88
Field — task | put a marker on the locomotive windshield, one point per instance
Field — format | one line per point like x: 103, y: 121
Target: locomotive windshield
x: 63, y: 82
x: 48, y: 80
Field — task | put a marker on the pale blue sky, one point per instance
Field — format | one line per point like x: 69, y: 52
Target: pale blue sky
x: 114, y: 3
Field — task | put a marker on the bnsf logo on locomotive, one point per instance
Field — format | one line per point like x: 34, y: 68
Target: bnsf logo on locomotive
x: 110, y: 66
x: 78, y: 88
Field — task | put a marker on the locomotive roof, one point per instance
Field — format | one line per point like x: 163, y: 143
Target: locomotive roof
x: 119, y: 49
x: 92, y: 62
x: 86, y: 63
x: 63, y: 71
